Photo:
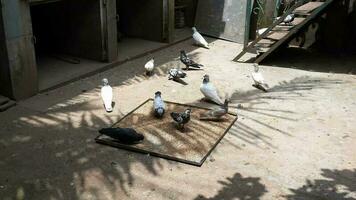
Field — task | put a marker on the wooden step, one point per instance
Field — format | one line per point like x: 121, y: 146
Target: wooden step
x: 308, y: 7
x: 277, y: 35
x: 265, y: 43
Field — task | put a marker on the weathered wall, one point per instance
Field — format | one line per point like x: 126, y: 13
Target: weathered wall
x: 19, y: 43
x: 5, y: 82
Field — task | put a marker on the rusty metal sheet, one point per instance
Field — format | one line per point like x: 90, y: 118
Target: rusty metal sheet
x: 162, y: 139
x: 225, y: 19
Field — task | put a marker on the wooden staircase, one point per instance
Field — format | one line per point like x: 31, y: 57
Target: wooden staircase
x: 279, y: 34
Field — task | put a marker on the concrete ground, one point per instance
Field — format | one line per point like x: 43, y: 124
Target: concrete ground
x: 295, y: 142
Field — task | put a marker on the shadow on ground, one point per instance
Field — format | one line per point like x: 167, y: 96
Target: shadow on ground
x: 238, y: 187
x: 313, y: 61
x: 335, y: 185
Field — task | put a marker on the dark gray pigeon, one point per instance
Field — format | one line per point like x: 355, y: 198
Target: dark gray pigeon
x: 158, y: 105
x: 181, y: 118
x: 123, y: 135
x: 188, y: 62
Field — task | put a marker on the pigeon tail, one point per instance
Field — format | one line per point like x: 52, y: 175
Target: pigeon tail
x: 159, y: 112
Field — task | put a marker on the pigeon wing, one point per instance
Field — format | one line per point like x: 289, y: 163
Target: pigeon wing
x: 198, y: 38
x: 258, y: 78
x: 177, y: 117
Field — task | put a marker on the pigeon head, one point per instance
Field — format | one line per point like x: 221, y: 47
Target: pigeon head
x: 257, y: 68
x: 173, y: 72
x: 158, y: 93
x: 194, y: 29
x: 206, y: 79
x: 188, y: 111
x: 105, y: 81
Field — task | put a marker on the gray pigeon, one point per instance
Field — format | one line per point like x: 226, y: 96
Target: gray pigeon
x: 158, y: 105
x: 216, y: 113
x: 288, y: 20
x: 181, y: 118
x: 176, y: 74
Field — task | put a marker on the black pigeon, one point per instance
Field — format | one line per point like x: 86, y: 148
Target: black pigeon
x: 181, y: 118
x: 188, y: 62
x: 123, y: 135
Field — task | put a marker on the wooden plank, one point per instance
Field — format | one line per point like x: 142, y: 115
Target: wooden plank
x: 110, y: 31
x: 282, y: 28
x: 308, y: 7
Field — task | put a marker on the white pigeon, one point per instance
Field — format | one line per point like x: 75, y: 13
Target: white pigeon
x: 106, y: 95
x: 261, y: 31
x: 258, y: 79
x: 198, y: 39
x: 149, y: 66
x: 209, y: 91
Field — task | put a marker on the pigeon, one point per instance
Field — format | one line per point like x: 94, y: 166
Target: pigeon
x: 288, y: 20
x: 181, y: 118
x: 261, y: 31
x: 123, y: 135
x: 149, y: 66
x: 106, y: 95
x: 258, y: 79
x: 198, y: 39
x: 209, y: 91
x: 176, y: 74
x: 188, y: 62
x: 158, y: 105
x: 216, y: 113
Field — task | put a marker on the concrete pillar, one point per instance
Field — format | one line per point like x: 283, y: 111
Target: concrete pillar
x: 20, y: 63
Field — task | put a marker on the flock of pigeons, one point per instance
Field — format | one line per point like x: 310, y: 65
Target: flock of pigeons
x: 130, y: 136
